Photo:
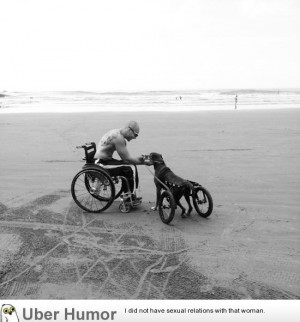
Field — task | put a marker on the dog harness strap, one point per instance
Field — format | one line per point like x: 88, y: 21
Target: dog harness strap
x: 174, y: 180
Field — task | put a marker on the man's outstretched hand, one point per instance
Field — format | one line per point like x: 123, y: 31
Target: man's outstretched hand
x: 146, y: 160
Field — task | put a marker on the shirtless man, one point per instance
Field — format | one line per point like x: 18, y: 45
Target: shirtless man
x: 115, y: 140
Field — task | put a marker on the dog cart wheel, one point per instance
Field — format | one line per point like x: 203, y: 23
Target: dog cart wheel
x: 166, y: 207
x: 202, y: 201
x: 93, y: 190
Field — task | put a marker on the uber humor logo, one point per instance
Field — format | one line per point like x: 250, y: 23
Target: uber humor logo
x: 8, y: 313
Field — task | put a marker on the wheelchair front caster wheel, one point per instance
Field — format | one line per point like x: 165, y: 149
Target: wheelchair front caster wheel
x: 125, y: 207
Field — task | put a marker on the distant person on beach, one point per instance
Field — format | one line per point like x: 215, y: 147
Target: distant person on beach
x: 116, y: 140
x: 235, y: 100
x: 1, y: 96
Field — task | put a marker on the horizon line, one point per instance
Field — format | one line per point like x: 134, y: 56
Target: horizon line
x: 152, y: 90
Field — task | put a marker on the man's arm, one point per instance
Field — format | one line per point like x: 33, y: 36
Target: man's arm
x: 121, y: 148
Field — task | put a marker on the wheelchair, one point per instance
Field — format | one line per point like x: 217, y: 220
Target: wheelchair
x: 94, y: 189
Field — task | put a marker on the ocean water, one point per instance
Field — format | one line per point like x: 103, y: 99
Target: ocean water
x: 164, y: 101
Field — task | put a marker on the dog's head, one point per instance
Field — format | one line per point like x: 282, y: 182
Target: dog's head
x: 156, y: 158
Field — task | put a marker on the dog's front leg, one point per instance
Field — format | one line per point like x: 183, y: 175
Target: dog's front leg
x: 158, y: 189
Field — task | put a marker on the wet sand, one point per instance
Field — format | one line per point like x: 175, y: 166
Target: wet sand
x: 247, y: 249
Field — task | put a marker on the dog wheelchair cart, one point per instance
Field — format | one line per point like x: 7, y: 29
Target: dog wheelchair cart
x: 94, y: 189
x: 201, y: 197
x: 202, y: 200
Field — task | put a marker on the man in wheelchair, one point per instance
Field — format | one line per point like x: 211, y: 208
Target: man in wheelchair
x: 115, y: 140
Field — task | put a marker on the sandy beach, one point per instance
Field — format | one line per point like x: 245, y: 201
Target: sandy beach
x: 247, y: 249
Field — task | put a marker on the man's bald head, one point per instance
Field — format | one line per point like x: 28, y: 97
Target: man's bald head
x: 133, y: 125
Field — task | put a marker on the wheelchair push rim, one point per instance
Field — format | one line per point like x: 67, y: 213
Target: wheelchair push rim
x: 93, y: 190
x: 166, y: 207
x: 202, y: 201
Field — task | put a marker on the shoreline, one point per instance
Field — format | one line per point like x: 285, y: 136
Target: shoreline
x: 5, y: 110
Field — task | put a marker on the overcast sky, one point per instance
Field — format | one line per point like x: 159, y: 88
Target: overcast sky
x: 128, y: 45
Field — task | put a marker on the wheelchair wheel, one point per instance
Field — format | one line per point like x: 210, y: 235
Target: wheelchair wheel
x: 166, y: 207
x: 202, y: 201
x: 93, y: 190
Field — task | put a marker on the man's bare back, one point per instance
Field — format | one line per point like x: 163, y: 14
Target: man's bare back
x: 107, y: 144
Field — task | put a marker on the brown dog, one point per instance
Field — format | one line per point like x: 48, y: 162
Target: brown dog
x: 178, y: 186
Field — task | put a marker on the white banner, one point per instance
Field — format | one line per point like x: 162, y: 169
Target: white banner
x: 149, y: 310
